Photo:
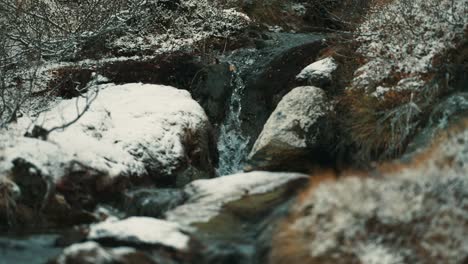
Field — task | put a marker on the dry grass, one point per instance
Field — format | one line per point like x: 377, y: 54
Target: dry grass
x: 376, y: 128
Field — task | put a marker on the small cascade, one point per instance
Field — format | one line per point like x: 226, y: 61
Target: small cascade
x: 232, y: 145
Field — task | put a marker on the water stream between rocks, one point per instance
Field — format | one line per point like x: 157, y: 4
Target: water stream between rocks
x: 248, y: 243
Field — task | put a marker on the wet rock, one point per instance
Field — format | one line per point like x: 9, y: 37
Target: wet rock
x: 152, y: 202
x: 212, y: 88
x: 273, y: 75
x: 293, y: 136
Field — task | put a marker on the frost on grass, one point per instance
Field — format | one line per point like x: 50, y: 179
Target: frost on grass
x: 403, y: 39
x: 131, y: 129
x: 416, y: 213
x: 207, y: 197
x: 141, y: 230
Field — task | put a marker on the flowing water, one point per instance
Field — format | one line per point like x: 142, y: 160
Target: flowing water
x: 232, y: 145
x: 29, y: 249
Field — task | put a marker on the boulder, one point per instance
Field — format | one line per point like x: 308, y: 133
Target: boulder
x: 293, y: 134
x: 127, y: 134
x: 136, y: 130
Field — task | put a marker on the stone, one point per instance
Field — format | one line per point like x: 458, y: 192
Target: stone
x: 293, y: 132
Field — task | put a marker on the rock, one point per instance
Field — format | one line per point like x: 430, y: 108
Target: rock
x: 403, y: 212
x: 269, y: 73
x: 136, y: 130
x: 152, y: 202
x: 208, y: 198
x: 319, y: 73
x: 293, y: 134
x: 211, y: 87
x: 141, y: 231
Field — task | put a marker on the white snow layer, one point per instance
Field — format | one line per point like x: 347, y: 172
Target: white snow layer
x: 126, y: 128
x: 319, y: 69
x: 141, y: 230
x: 89, y: 252
x: 206, y: 197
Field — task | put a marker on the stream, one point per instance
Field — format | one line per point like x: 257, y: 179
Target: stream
x: 242, y: 237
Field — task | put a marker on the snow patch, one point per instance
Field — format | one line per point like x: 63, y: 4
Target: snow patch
x: 141, y: 230
x: 319, y: 69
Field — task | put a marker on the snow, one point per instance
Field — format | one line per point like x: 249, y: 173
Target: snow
x: 378, y: 254
x: 404, y: 37
x: 201, y: 20
x: 319, y: 69
x: 92, y: 252
x: 130, y: 129
x: 49, y: 158
x: 82, y: 252
x: 207, y: 197
x: 141, y: 230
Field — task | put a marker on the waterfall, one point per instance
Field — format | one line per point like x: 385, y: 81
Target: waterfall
x: 232, y: 145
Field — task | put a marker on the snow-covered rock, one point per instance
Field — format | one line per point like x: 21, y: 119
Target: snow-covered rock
x: 128, y: 131
x: 319, y: 73
x: 141, y: 230
x: 206, y: 198
x: 132, y: 129
x: 292, y: 130
x: 92, y: 253
x: 408, y: 212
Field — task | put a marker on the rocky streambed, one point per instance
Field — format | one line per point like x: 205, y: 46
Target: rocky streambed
x: 138, y: 179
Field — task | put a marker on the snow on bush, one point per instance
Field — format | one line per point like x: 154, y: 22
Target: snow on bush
x: 416, y: 213
x: 404, y: 37
x: 170, y: 27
